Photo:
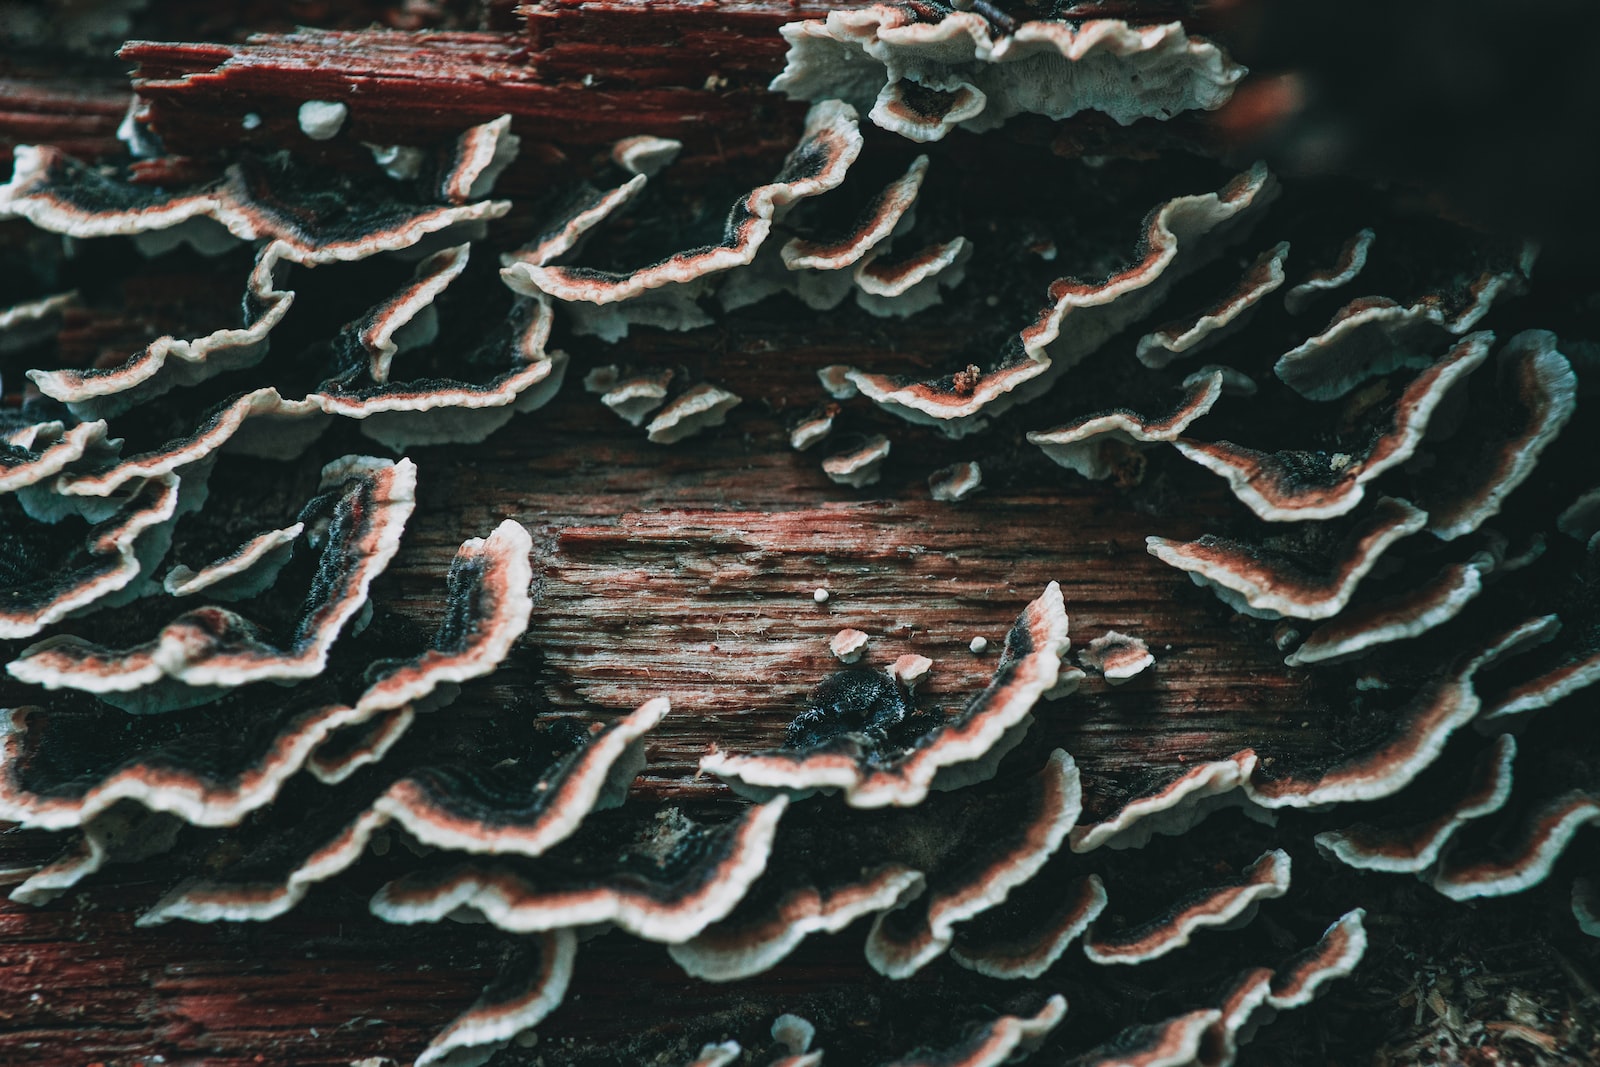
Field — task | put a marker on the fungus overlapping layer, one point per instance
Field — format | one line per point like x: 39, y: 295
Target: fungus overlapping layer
x: 1079, y: 317
x: 1211, y: 1035
x: 832, y: 865
x: 829, y: 145
x: 530, y: 985
x: 1413, y: 847
x: 1267, y: 877
x: 362, y: 507
x: 201, y: 765
x: 1294, y: 486
x: 523, y: 805
x: 57, y: 571
x: 663, y: 882
x: 1349, y: 263
x: 1031, y: 950
x: 1231, y: 312
x: 1272, y: 584
x: 922, y: 70
x: 1091, y: 445
x: 257, y: 199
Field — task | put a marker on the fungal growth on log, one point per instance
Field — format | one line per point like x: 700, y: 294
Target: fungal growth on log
x: 371, y: 698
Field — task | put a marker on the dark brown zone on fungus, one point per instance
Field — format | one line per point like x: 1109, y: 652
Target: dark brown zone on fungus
x: 811, y: 159
x: 735, y: 234
x: 958, y: 842
x: 859, y: 701
x: 40, y: 563
x: 1250, y: 289
x: 324, y: 212
x: 1029, y: 931
x: 893, y: 270
x: 349, y: 746
x: 1170, y: 1042
x: 1034, y: 816
x: 486, y: 772
x: 1300, y: 977
x: 1504, y: 438
x: 195, y: 760
x: 85, y: 192
x: 1115, y: 940
x: 1299, y: 478
x: 836, y: 225
x: 62, y: 759
x: 1196, y: 400
x: 1553, y: 807
x: 626, y: 861
x: 1422, y: 817
x: 922, y: 106
x: 350, y: 518
x: 502, y: 796
x: 239, y: 563
x: 436, y: 375
x: 1379, y: 745
x: 1299, y: 573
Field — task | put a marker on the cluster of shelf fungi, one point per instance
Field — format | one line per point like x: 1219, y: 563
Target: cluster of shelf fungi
x: 1415, y: 528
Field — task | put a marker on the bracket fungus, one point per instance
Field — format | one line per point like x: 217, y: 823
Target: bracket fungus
x: 1187, y: 336
x: 698, y: 408
x: 1118, y: 657
x: 1349, y: 263
x: 237, y: 693
x: 1267, y: 877
x: 922, y: 70
x: 362, y: 506
x: 1079, y: 316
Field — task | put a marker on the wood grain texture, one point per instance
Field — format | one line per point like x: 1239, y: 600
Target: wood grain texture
x: 688, y: 570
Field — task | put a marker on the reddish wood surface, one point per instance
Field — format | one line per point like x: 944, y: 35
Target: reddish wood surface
x: 42, y: 104
x: 688, y: 570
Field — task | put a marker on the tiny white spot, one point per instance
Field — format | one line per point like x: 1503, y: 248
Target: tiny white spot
x: 991, y: 301
x: 588, y: 80
x: 820, y: 596
x: 979, y: 645
x: 250, y: 121
x: 321, y: 119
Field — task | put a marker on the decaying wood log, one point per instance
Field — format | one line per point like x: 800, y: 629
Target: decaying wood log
x: 716, y: 570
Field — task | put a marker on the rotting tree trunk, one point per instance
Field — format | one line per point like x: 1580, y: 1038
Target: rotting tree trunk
x: 689, y: 571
